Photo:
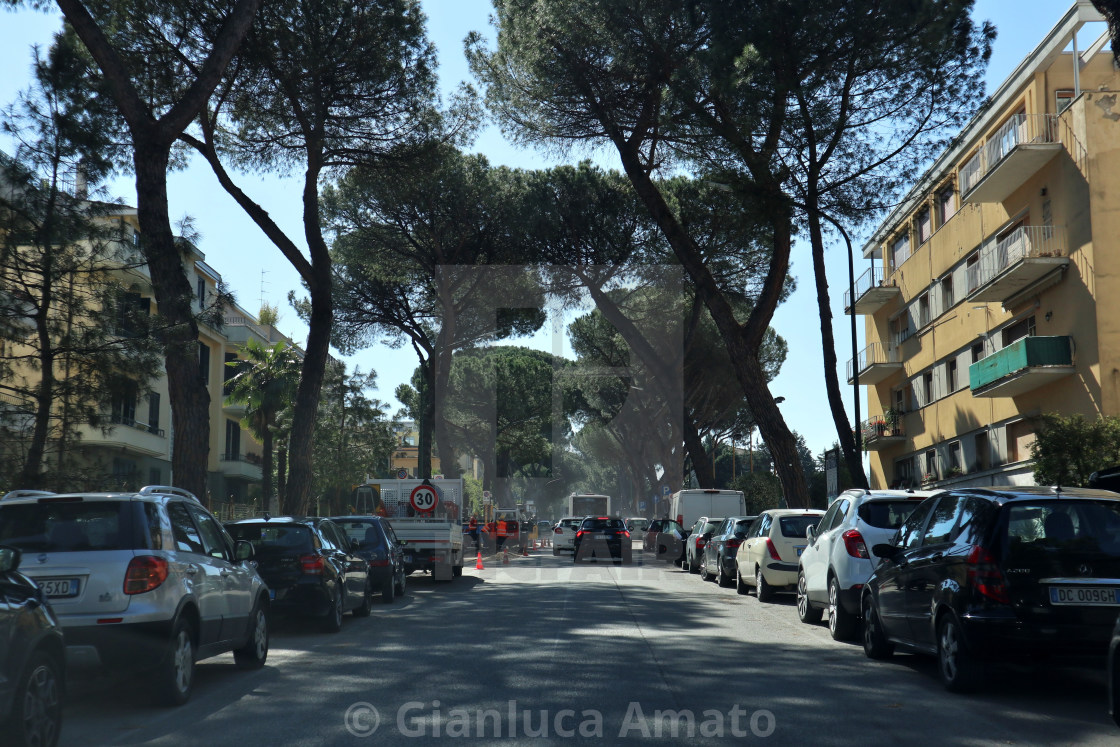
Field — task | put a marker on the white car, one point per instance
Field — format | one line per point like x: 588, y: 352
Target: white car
x: 564, y: 534
x: 837, y: 560
x: 767, y: 558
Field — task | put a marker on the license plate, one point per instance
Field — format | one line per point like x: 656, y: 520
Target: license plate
x: 799, y: 549
x: 408, y: 558
x: 1085, y: 595
x: 60, y: 587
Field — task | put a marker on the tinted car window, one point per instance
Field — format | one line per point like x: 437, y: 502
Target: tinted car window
x: 1088, y: 526
x: 910, y: 533
x: 976, y: 515
x: 367, y: 533
x: 795, y: 526
x: 66, y: 527
x: 886, y: 514
x: 826, y: 520
x: 212, y: 538
x: 274, y: 538
x: 187, y: 538
x: 841, y: 507
x: 594, y: 524
x: 742, y: 526
x: 710, y: 526
x: 943, y: 521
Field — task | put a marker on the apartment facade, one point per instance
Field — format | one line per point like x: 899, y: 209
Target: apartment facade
x: 994, y: 291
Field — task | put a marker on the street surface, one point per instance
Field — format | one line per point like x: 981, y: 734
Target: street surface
x: 539, y: 650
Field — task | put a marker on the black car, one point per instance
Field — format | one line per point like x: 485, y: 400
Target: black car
x: 32, y: 660
x: 718, y: 559
x: 310, y: 567
x: 1114, y: 674
x: 988, y: 574
x: 374, y: 539
x: 603, y: 537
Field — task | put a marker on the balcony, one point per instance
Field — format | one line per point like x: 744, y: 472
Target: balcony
x: 241, y: 466
x: 1027, y: 364
x: 872, y: 293
x: 876, y: 433
x: 130, y: 435
x: 875, y: 363
x: 1020, y: 261
x: 1012, y: 155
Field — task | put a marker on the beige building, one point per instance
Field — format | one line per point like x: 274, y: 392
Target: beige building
x: 989, y: 300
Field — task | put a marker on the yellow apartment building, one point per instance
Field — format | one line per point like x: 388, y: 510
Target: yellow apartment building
x: 990, y: 296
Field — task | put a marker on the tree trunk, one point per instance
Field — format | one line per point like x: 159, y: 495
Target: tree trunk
x: 441, y: 376
x: 828, y: 347
x: 427, y: 420
x: 190, y: 400
x: 701, y: 464
x: 269, y: 498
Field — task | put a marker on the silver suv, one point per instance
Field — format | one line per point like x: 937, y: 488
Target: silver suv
x: 147, y: 580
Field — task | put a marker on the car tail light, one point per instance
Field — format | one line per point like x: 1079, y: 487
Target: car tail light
x: 854, y: 544
x: 773, y: 550
x: 624, y: 533
x: 145, y: 572
x: 557, y: 530
x: 732, y: 544
x: 312, y: 565
x: 579, y: 534
x: 680, y: 518
x: 986, y: 577
x: 701, y: 543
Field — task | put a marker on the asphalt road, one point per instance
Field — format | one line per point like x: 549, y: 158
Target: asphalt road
x: 541, y: 651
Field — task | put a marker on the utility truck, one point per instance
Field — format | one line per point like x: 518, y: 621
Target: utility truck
x: 426, y: 516
x: 589, y: 504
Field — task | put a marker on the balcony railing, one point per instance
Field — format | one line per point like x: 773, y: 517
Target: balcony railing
x: 138, y: 425
x: 1023, y: 365
x: 873, y: 364
x: 1018, y: 149
x: 872, y: 292
x: 1012, y: 263
x: 876, y: 433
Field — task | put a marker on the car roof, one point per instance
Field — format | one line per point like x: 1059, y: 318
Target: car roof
x: 1005, y: 493
x: 148, y: 491
x: 793, y: 512
x: 861, y: 495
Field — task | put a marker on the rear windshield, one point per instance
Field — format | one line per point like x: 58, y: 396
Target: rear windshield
x: 67, y: 527
x: 741, y: 527
x: 887, y: 514
x: 603, y: 524
x: 1082, y: 526
x: 367, y: 534
x: 710, y: 526
x: 570, y: 523
x: 273, y: 538
x: 795, y: 526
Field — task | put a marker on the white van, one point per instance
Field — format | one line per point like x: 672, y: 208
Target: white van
x: 686, y: 506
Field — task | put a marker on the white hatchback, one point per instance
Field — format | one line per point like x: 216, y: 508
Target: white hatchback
x: 837, y: 560
x: 564, y: 534
x: 767, y: 558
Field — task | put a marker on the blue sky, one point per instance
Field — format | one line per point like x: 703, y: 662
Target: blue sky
x: 255, y: 271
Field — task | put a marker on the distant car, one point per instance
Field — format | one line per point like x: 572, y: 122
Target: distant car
x: 982, y: 575
x: 837, y: 562
x: 767, y: 558
x: 564, y: 534
x: 637, y: 525
x: 374, y: 539
x: 649, y: 538
x: 32, y: 660
x: 147, y: 580
x: 311, y: 567
x: 603, y: 537
x: 697, y: 541
x: 718, y: 561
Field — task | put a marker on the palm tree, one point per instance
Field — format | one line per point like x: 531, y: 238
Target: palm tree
x: 266, y: 384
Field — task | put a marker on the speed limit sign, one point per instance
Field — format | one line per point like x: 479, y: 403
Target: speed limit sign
x: 423, y: 498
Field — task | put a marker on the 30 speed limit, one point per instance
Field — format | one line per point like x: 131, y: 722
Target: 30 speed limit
x: 423, y: 498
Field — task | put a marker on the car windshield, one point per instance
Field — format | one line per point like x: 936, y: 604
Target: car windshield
x: 887, y: 514
x: 601, y: 523
x: 1085, y: 527
x: 273, y: 538
x: 570, y: 523
x: 710, y: 525
x: 366, y: 533
x: 75, y: 526
x: 795, y: 526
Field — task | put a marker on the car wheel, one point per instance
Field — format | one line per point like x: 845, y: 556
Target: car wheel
x: 762, y: 590
x: 841, y: 623
x: 704, y: 575
x: 389, y: 591
x: 401, y: 584
x: 960, y: 671
x: 740, y: 584
x: 806, y: 612
x: 875, y: 643
x: 721, y: 575
x: 253, y: 654
x: 175, y: 677
x: 696, y: 565
x: 456, y: 571
x: 363, y: 609
x: 36, y: 717
x: 332, y: 622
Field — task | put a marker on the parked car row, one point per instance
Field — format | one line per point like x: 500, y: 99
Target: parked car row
x: 975, y: 577
x: 152, y: 582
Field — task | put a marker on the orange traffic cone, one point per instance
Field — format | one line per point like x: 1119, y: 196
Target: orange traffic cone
x: 505, y: 556
x: 478, y: 563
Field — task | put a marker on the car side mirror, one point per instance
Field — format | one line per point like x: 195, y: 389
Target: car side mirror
x: 885, y: 551
x: 243, y: 550
x: 811, y: 533
x: 9, y: 559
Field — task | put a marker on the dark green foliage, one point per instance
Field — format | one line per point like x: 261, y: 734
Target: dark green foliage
x: 1068, y: 449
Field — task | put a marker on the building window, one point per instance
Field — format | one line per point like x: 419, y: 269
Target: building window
x: 946, y: 205
x: 904, y: 472
x: 931, y: 464
x: 200, y: 291
x: 204, y: 363
x: 900, y: 400
x: 233, y: 441
x: 1018, y: 330
x: 900, y: 329
x: 947, y: 299
x: 951, y: 375
x: 124, y: 406
x: 1062, y: 99
x: 153, y: 412
x: 955, y: 465
x: 900, y: 250
x: 983, y: 454
x: 131, y: 308
x: 927, y: 387
x: 972, y: 271
x: 925, y: 226
x: 923, y: 310
x: 1020, y: 436
x: 977, y: 352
